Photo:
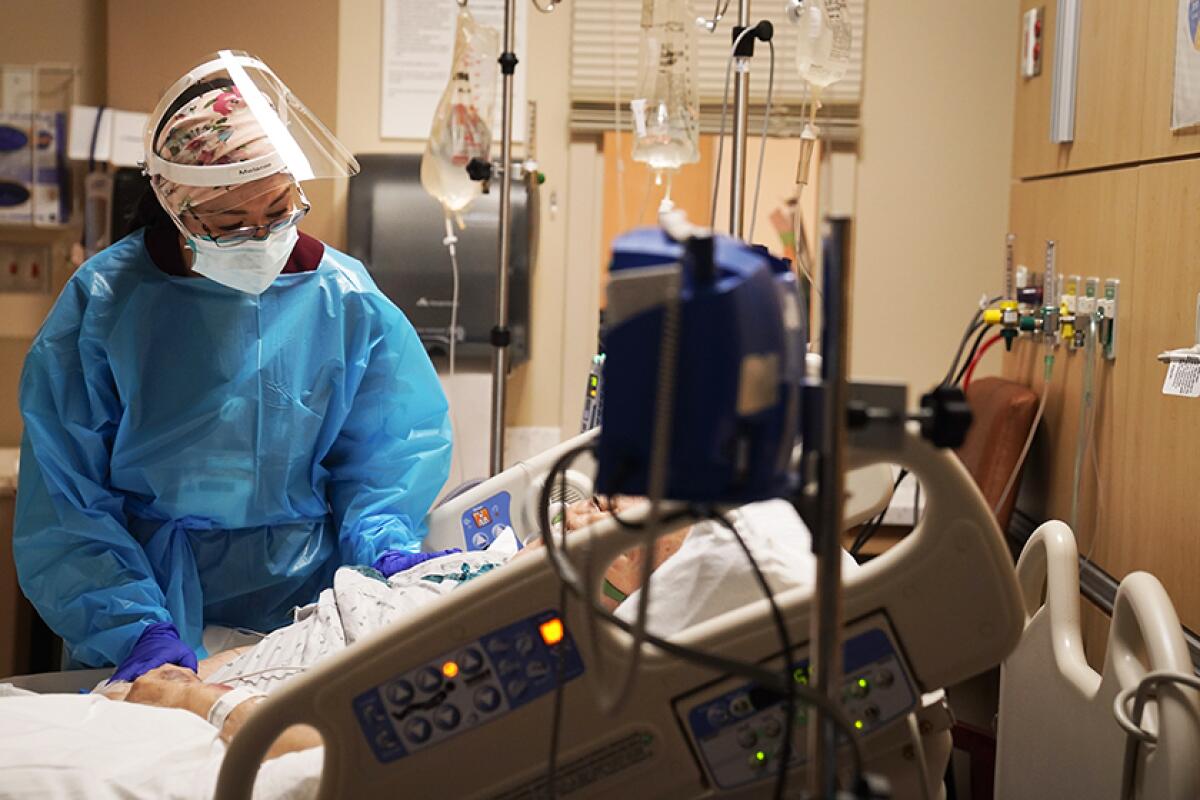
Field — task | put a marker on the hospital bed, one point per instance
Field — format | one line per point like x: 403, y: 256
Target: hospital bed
x: 459, y: 699
x: 1057, y: 734
x: 472, y: 519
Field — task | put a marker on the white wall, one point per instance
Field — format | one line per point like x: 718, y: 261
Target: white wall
x: 933, y: 180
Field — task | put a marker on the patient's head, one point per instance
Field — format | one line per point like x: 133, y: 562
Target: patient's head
x: 625, y: 573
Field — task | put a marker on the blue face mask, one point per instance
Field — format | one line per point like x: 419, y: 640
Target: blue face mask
x: 249, y: 267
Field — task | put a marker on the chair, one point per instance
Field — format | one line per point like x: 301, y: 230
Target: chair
x: 1003, y: 411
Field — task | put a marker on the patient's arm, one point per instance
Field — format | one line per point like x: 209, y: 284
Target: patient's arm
x: 170, y: 686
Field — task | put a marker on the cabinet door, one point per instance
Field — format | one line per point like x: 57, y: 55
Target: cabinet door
x: 1108, y: 104
x: 1092, y: 218
x: 1157, y: 504
x: 1158, y: 140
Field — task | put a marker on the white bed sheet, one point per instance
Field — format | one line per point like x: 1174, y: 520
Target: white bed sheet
x: 87, y: 746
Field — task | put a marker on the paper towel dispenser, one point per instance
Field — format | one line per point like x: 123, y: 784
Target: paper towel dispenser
x: 396, y: 229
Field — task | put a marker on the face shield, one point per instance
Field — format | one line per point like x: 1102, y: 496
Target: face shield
x: 228, y: 146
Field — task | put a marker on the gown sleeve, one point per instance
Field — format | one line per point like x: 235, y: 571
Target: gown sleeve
x: 76, y: 561
x: 392, y: 455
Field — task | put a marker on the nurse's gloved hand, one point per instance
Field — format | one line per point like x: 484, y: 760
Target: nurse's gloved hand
x: 393, y: 561
x: 159, y: 644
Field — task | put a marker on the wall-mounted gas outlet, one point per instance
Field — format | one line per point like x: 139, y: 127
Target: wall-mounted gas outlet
x: 1034, y: 22
x: 25, y: 268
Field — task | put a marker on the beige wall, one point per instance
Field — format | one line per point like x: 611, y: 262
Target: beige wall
x: 932, y: 180
x: 63, y: 31
x: 152, y: 43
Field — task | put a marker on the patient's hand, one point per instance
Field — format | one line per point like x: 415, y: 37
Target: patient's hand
x: 170, y: 686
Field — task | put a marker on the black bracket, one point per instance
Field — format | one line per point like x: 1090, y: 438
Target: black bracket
x: 501, y: 337
x: 763, y: 32
x: 508, y: 63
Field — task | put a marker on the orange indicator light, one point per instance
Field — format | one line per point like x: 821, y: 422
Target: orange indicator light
x: 450, y: 669
x: 552, y: 631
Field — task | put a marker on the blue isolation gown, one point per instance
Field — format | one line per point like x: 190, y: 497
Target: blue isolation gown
x: 199, y: 455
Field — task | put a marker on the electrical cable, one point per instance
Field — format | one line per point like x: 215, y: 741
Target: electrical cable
x: 977, y: 359
x: 768, y: 679
x: 983, y: 332
x: 1146, y: 689
x: 914, y: 735
x: 872, y: 525
x: 976, y: 320
x: 712, y: 220
x: 762, y: 149
x: 785, y: 643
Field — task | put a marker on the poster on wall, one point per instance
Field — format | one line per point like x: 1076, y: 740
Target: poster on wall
x: 418, y: 44
x: 1185, y: 111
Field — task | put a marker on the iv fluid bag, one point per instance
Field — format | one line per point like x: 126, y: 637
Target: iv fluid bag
x: 823, y: 46
x: 666, y: 107
x: 462, y: 123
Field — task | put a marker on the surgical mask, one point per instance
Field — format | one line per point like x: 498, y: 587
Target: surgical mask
x: 249, y: 267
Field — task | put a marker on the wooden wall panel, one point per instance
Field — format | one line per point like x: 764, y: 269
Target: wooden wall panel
x: 1158, y: 517
x: 1092, y: 217
x: 1112, y: 64
x: 1158, y: 140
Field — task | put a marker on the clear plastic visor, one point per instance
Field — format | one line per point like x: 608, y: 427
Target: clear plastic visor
x: 299, y: 144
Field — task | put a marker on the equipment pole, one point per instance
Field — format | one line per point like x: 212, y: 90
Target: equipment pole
x: 826, y: 625
x: 741, y: 112
x: 500, y: 333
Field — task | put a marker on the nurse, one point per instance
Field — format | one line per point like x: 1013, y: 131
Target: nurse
x: 219, y: 410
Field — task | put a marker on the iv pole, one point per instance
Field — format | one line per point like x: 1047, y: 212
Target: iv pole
x: 501, y: 335
x: 826, y: 507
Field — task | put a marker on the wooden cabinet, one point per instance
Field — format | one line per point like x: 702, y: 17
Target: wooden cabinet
x: 1158, y: 140
x: 1110, y: 91
x: 1136, y: 224
x: 1093, y: 220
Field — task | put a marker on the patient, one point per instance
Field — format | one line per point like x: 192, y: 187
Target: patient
x: 699, y: 572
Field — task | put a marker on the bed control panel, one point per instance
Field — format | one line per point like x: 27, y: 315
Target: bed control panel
x: 483, y: 522
x: 470, y: 686
x: 737, y: 727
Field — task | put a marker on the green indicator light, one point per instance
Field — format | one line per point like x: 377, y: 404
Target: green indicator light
x: 862, y: 683
x: 760, y: 755
x: 800, y: 676
x: 858, y: 724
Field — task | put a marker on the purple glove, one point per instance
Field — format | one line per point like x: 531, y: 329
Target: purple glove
x: 159, y: 644
x: 393, y: 561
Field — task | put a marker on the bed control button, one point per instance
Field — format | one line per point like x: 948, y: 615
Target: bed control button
x: 429, y: 679
x: 487, y: 699
x: 417, y: 730
x: 516, y: 688
x: 525, y: 644
x: 400, y: 692
x: 871, y: 713
x: 497, y: 646
x: 447, y: 717
x: 885, y: 678
x: 507, y: 666
x: 536, y: 670
x: 771, y: 727
x: 471, y: 661
x: 717, y: 715
x: 747, y: 738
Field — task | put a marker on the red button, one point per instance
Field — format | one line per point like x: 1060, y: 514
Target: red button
x: 1037, y: 52
x: 1037, y: 28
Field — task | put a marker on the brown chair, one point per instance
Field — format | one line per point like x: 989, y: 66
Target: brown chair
x: 1003, y: 413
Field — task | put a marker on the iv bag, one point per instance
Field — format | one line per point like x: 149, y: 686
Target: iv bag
x: 666, y: 108
x: 462, y: 123
x: 823, y: 46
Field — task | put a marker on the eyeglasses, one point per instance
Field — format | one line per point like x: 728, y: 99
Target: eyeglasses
x: 250, y: 232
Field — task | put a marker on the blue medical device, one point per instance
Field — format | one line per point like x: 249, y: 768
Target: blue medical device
x: 739, y: 342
